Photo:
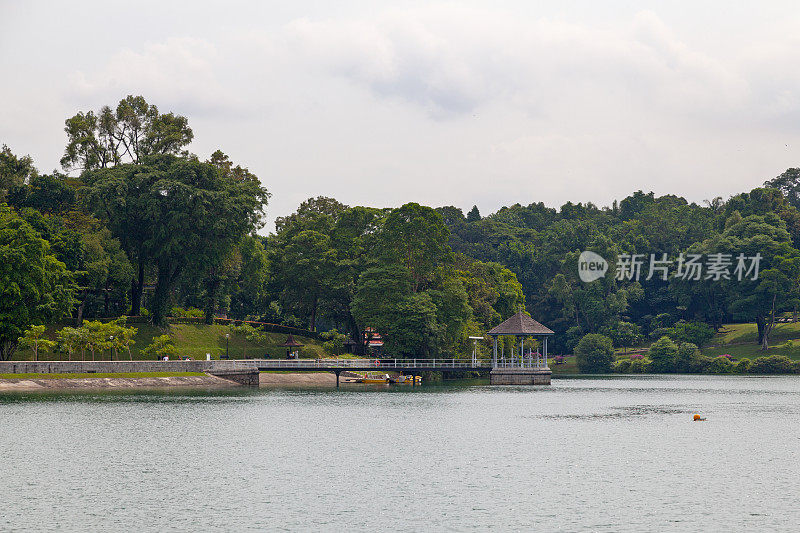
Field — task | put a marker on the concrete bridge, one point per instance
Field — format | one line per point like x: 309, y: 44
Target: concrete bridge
x: 245, y: 371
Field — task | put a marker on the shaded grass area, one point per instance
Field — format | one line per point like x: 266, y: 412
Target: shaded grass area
x: 569, y: 366
x: 191, y: 340
x: 76, y: 375
x: 748, y: 333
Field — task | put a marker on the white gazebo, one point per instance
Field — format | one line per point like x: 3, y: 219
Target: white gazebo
x: 520, y: 368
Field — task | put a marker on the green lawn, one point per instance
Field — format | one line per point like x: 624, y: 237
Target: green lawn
x: 101, y: 375
x: 195, y: 341
x: 740, y: 333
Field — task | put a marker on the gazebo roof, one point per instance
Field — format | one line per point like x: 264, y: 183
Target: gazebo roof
x: 520, y: 324
x: 291, y: 343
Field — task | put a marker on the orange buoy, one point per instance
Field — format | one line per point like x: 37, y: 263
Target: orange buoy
x: 698, y: 418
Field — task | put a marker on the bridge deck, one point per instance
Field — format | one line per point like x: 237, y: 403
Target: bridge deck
x: 333, y: 365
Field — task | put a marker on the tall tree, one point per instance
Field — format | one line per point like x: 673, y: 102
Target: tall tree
x: 133, y: 130
x: 416, y: 237
x: 172, y: 212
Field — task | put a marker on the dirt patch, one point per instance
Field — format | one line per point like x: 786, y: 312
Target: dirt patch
x: 299, y: 378
x: 113, y: 383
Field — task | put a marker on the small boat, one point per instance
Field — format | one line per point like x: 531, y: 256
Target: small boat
x: 373, y: 378
x: 405, y: 380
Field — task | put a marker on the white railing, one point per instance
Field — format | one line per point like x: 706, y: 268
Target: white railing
x: 540, y: 365
x: 378, y: 364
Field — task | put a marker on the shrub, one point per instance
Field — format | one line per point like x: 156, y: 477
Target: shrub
x: 639, y: 366
x: 663, y: 355
x: 594, y: 353
x: 622, y: 366
x: 697, y: 333
x: 189, y: 312
x: 774, y: 364
x: 685, y: 359
x: 743, y: 366
x: 720, y: 365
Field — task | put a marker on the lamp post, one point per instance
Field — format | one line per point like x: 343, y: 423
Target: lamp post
x: 113, y: 348
x: 227, y: 338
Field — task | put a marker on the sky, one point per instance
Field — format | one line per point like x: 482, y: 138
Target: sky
x: 455, y: 103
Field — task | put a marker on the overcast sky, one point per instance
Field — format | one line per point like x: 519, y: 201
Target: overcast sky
x: 381, y: 103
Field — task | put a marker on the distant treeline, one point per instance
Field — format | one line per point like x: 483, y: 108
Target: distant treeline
x: 138, y: 226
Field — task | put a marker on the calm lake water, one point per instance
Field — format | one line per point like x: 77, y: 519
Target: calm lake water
x: 617, y: 454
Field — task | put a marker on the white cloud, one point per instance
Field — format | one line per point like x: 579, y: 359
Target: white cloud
x: 443, y: 103
x: 178, y: 72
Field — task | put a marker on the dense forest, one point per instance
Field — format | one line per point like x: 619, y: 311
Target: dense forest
x: 137, y: 226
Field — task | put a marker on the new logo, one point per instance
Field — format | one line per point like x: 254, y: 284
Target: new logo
x: 591, y: 266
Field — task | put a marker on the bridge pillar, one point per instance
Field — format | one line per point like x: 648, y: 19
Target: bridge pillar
x: 337, y: 372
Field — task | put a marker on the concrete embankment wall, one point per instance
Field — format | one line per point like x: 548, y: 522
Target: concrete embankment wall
x: 222, y: 369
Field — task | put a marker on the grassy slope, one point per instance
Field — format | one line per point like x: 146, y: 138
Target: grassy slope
x: 195, y: 341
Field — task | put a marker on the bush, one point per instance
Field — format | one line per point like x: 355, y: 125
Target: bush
x: 698, y: 333
x: 189, y: 312
x: 685, y: 359
x: 594, y: 353
x: 623, y: 366
x: 743, y: 366
x: 774, y: 364
x: 720, y: 365
x: 663, y: 356
x: 639, y: 366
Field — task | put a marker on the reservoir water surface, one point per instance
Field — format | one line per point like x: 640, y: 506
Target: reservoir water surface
x: 600, y: 454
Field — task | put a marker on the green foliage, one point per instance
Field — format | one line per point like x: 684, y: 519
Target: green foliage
x: 415, y: 237
x: 334, y: 341
x: 190, y: 312
x: 594, y: 353
x: 774, y: 364
x: 33, y: 339
x: 697, y: 333
x: 34, y: 286
x: 128, y: 134
x: 687, y: 358
x: 743, y: 366
x: 15, y: 171
x: 175, y: 213
x: 161, y: 347
x: 663, y: 356
x: 720, y: 365
x: 639, y: 366
x: 621, y: 366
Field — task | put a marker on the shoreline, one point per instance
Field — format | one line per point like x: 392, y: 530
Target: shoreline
x: 40, y: 382
x: 32, y: 384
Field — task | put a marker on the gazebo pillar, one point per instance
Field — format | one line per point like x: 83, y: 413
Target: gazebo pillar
x: 494, y: 353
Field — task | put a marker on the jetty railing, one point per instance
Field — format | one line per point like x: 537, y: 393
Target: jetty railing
x: 377, y: 364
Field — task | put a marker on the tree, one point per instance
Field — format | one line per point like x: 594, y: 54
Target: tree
x: 249, y: 333
x: 334, y: 341
x: 34, y: 286
x: 415, y: 237
x: 161, y: 347
x: 33, y: 339
x: 474, y: 215
x: 70, y: 339
x: 14, y: 171
x: 125, y: 135
x: 696, y: 333
x: 594, y: 353
x: 663, y: 355
x: 789, y: 184
x: 173, y: 213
